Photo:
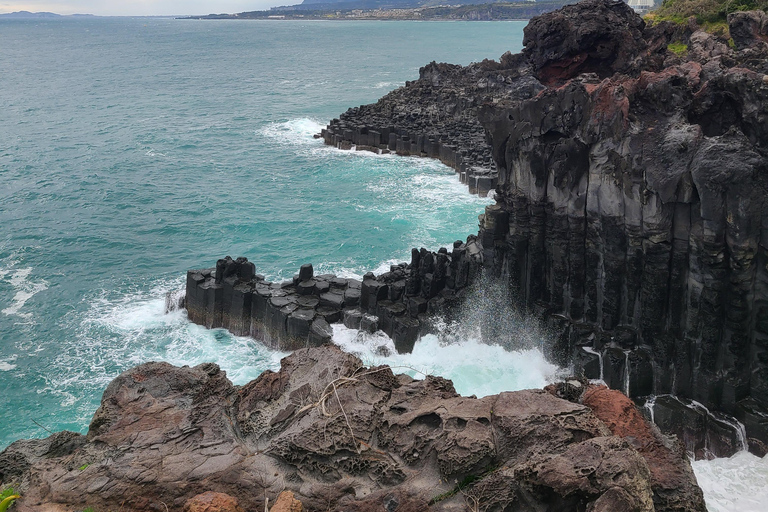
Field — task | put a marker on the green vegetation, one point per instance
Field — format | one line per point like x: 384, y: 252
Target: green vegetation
x: 678, y: 48
x: 7, y: 497
x: 711, y: 14
x: 81, y: 468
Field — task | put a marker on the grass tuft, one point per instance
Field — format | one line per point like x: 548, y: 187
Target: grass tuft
x: 678, y: 48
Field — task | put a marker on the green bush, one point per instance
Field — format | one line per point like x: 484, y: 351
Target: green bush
x: 705, y: 11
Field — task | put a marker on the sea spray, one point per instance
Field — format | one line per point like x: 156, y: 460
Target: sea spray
x: 476, y: 368
x: 734, y: 484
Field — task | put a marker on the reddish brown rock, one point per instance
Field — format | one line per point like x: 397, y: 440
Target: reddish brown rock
x: 287, y: 503
x: 672, y: 477
x: 213, y: 502
x: 336, y: 434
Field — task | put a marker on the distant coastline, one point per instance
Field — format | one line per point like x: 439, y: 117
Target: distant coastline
x: 39, y: 15
x: 476, y: 12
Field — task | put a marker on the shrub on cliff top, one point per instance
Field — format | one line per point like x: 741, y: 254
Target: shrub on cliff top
x: 705, y: 11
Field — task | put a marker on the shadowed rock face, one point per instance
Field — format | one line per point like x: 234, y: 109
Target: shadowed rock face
x: 631, y: 189
x: 340, y: 436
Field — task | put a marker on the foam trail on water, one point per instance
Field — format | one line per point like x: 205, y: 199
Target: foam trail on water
x: 734, y: 484
x: 295, y: 132
x: 474, y: 367
x: 24, y: 287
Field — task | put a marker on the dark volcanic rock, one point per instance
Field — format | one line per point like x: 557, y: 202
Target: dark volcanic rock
x: 592, y: 36
x: 340, y: 436
x: 748, y: 28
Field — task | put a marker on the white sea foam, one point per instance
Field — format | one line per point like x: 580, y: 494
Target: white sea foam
x: 386, y: 85
x: 6, y: 367
x: 294, y: 132
x: 734, y: 484
x: 151, y: 334
x: 25, y: 288
x: 474, y: 367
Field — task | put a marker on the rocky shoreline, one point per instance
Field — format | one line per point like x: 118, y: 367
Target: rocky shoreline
x: 342, y: 436
x: 630, y: 187
x: 630, y: 197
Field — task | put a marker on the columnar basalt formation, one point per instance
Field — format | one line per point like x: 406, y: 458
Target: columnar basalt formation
x: 631, y: 195
x: 344, y: 437
x: 436, y: 117
x: 298, y: 313
x: 635, y: 205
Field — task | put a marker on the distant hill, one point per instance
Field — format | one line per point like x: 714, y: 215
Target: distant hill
x: 27, y: 14
x: 386, y: 4
x: 390, y: 9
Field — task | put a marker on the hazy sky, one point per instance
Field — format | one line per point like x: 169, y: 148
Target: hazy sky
x: 140, y: 7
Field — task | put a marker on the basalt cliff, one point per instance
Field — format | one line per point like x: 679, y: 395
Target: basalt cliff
x: 630, y: 185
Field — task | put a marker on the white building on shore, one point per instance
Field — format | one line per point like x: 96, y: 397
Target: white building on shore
x: 641, y: 6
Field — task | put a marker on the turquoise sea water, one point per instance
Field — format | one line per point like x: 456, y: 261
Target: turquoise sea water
x: 134, y: 149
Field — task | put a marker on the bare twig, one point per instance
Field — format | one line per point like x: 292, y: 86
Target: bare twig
x: 351, y: 432
x: 42, y: 427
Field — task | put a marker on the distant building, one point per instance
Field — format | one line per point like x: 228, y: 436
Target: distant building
x: 641, y: 6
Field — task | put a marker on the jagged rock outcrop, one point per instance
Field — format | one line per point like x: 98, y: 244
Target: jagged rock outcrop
x: 631, y: 188
x: 340, y: 436
x: 299, y: 313
x: 584, y: 39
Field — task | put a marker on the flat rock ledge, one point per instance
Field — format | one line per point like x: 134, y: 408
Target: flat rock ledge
x: 341, y: 436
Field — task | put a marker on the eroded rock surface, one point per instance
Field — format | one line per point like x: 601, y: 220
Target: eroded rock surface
x: 339, y: 436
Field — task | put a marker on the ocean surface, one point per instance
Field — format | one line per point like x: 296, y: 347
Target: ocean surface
x: 134, y: 149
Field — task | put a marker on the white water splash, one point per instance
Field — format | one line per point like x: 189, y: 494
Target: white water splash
x: 734, y: 484
x: 294, y: 132
x: 5, y: 366
x: 490, y: 370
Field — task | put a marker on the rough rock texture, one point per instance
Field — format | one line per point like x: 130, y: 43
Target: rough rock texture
x: 631, y: 188
x: 748, y: 28
x: 671, y: 477
x: 569, y: 42
x: 339, y: 436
